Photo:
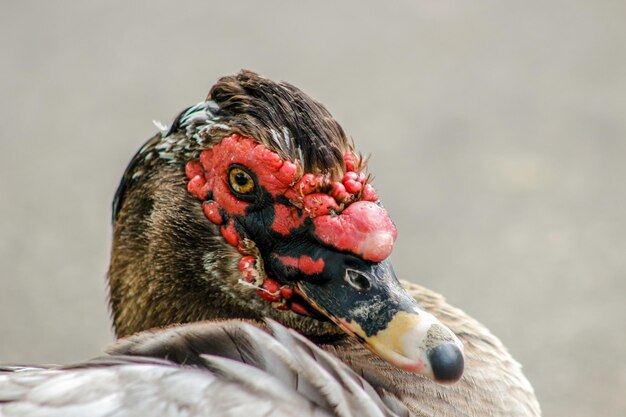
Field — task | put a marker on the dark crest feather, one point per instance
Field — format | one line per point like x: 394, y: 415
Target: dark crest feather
x: 265, y: 110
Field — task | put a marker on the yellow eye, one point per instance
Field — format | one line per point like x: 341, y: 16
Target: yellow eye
x: 240, y: 180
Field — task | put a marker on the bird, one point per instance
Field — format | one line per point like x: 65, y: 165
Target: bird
x: 249, y: 276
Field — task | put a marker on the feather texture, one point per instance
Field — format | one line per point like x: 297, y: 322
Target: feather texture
x: 218, y: 367
x: 212, y: 369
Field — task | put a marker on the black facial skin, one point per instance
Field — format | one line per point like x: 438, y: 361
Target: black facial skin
x: 372, y: 309
x: 347, y: 288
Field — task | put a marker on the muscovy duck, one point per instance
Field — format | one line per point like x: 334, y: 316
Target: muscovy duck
x: 249, y: 277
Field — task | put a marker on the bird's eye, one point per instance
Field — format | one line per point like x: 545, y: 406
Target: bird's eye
x: 240, y: 180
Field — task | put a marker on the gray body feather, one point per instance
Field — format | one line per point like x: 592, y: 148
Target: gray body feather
x: 214, y: 369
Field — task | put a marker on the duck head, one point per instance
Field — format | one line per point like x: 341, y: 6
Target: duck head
x: 254, y: 204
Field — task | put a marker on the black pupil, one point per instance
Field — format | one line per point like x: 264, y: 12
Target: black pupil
x: 241, y: 179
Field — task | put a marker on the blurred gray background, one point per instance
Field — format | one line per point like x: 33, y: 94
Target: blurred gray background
x: 498, y: 140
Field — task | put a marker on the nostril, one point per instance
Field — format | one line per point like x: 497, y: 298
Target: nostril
x: 446, y: 361
x: 358, y: 280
